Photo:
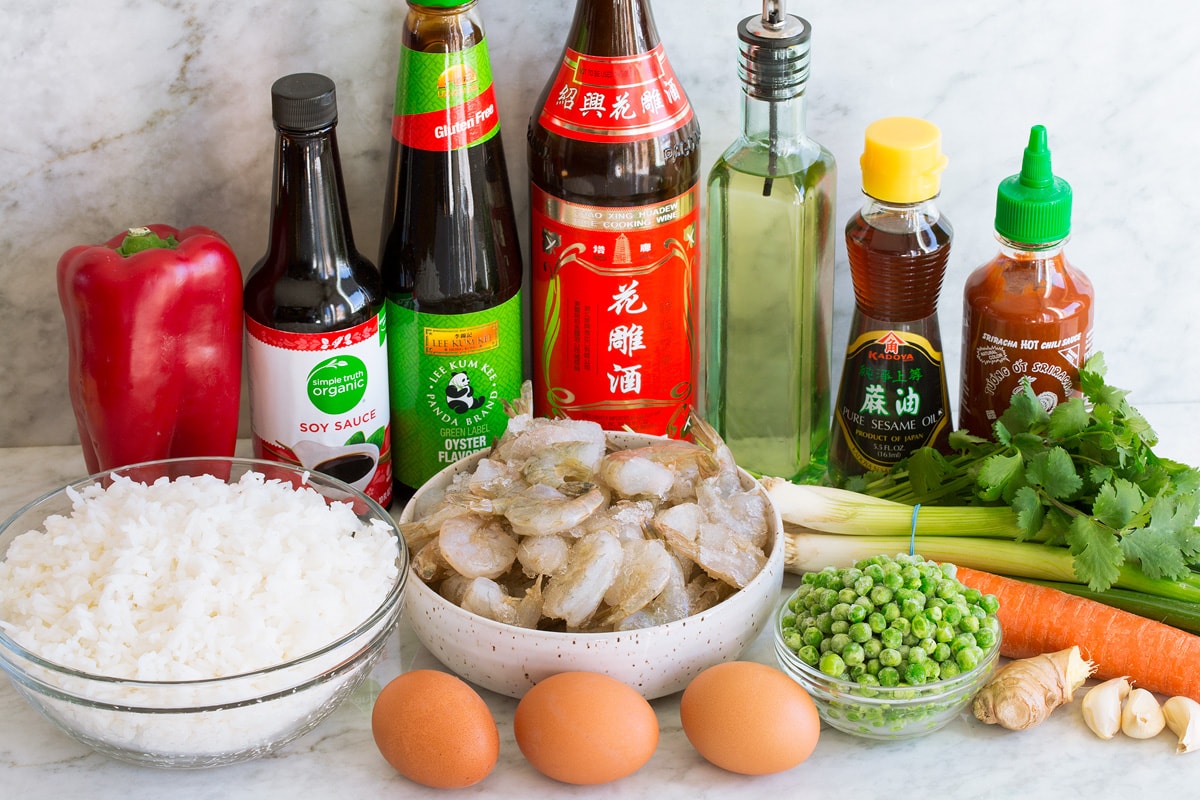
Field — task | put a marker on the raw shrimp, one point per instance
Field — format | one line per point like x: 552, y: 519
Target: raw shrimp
x: 493, y: 478
x: 542, y: 510
x: 488, y: 599
x: 542, y: 555
x: 430, y: 564
x: 671, y: 604
x: 563, y: 462
x: 477, y: 546
x: 712, y: 545
x: 625, y: 519
x: 645, y: 570
x: 592, y: 566
x: 665, y: 471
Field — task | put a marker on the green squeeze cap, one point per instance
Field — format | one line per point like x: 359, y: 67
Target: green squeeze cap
x: 1035, y: 206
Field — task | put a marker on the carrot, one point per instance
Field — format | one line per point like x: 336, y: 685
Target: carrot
x: 1038, y: 619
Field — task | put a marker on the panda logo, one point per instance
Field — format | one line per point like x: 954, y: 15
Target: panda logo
x: 459, y: 394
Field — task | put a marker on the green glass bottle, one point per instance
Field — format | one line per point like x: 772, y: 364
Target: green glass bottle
x: 769, y: 281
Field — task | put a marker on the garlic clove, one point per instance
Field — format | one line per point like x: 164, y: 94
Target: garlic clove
x: 1101, y: 706
x: 1183, y: 718
x: 1142, y: 716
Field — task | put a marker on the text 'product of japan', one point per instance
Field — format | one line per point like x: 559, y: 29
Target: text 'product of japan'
x: 1027, y: 313
x: 449, y: 253
x: 614, y: 168
x: 770, y: 259
x: 892, y: 398
x: 316, y: 344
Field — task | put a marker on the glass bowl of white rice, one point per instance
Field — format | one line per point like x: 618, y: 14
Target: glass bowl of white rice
x: 196, y: 612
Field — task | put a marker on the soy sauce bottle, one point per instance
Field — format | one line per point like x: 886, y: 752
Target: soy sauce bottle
x: 449, y: 253
x: 614, y: 167
x: 315, y: 331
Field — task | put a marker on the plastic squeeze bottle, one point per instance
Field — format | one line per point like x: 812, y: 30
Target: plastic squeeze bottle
x: 614, y: 168
x: 449, y: 253
x: 769, y: 276
x: 1027, y: 313
x: 315, y: 333
x: 893, y: 397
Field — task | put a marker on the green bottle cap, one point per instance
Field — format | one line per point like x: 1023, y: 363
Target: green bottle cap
x: 1034, y: 207
x: 440, y: 3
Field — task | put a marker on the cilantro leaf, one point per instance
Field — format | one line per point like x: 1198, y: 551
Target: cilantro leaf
x: 1025, y: 412
x: 1118, y: 502
x: 1030, y: 512
x: 1098, y: 555
x: 1055, y: 472
x: 1069, y: 419
x: 998, y: 473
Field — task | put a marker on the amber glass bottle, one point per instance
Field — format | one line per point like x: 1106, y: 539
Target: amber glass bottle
x: 614, y: 167
x: 450, y: 257
x: 893, y: 397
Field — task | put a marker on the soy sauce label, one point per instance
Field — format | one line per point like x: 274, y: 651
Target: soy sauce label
x: 451, y: 374
x: 614, y: 297
x: 445, y: 101
x: 893, y: 397
x: 615, y: 99
x: 320, y: 400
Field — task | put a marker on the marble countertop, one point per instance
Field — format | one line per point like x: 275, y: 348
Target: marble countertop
x: 1060, y: 758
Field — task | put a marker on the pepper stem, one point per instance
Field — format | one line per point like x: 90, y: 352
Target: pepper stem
x: 139, y: 239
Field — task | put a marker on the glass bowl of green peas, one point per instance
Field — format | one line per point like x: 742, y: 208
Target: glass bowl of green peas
x: 893, y: 647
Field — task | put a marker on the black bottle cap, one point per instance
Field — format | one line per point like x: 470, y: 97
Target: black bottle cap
x: 304, y: 101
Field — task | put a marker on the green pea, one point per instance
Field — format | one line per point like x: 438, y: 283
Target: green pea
x: 860, y: 632
x: 914, y: 673
x: 832, y: 665
x: 949, y: 669
x: 893, y: 581
x: 933, y: 613
x: 838, y: 642
x: 952, y: 614
x: 962, y: 641
x: 846, y: 595
x: 841, y: 611
x: 968, y: 658
x: 891, y: 611
x: 793, y: 639
x: 922, y: 626
x: 873, y: 666
x: 928, y: 645
x: 944, y: 632
x: 881, y: 595
x: 873, y: 647
x: 985, y: 637
x: 857, y: 613
x: 863, y: 585
x: 917, y: 655
x: 911, y: 607
x: 990, y: 603
x: 853, y: 655
x: 825, y: 622
x: 809, y: 655
x: 933, y: 671
x: 877, y: 621
x: 890, y: 657
x: 902, y: 624
x: 839, y: 626
x: 873, y: 571
x: 891, y: 638
x: 941, y: 652
x: 813, y: 636
x: 889, y: 676
x: 970, y: 623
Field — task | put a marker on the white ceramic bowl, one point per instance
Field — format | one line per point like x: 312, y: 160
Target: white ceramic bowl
x: 655, y: 661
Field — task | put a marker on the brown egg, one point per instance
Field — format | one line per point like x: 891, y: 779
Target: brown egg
x: 435, y: 729
x: 585, y: 728
x: 749, y: 718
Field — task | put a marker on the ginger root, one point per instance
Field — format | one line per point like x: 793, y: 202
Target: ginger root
x: 1023, y: 693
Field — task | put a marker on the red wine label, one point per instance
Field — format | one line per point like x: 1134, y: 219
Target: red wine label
x: 445, y: 101
x: 893, y: 398
x: 615, y: 99
x: 614, y: 298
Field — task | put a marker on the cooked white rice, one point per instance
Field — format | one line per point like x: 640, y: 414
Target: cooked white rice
x: 193, y: 578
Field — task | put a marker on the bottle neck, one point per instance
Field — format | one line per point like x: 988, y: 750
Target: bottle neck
x: 1019, y: 251
x: 613, y: 28
x: 310, y: 223
x: 900, y: 217
x: 774, y: 122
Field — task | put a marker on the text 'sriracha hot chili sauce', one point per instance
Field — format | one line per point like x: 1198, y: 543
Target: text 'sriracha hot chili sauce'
x: 1027, y: 313
x: 614, y: 160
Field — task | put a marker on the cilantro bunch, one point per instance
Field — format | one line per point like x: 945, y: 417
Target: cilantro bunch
x: 1083, y: 476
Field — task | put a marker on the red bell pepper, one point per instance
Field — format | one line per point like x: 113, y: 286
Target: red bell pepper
x: 154, y: 331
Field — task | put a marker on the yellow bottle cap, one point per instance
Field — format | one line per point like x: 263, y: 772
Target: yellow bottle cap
x: 902, y: 160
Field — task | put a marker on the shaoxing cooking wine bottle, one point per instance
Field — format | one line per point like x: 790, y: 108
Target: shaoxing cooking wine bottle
x: 892, y: 398
x: 614, y: 161
x: 449, y: 254
x: 315, y: 332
